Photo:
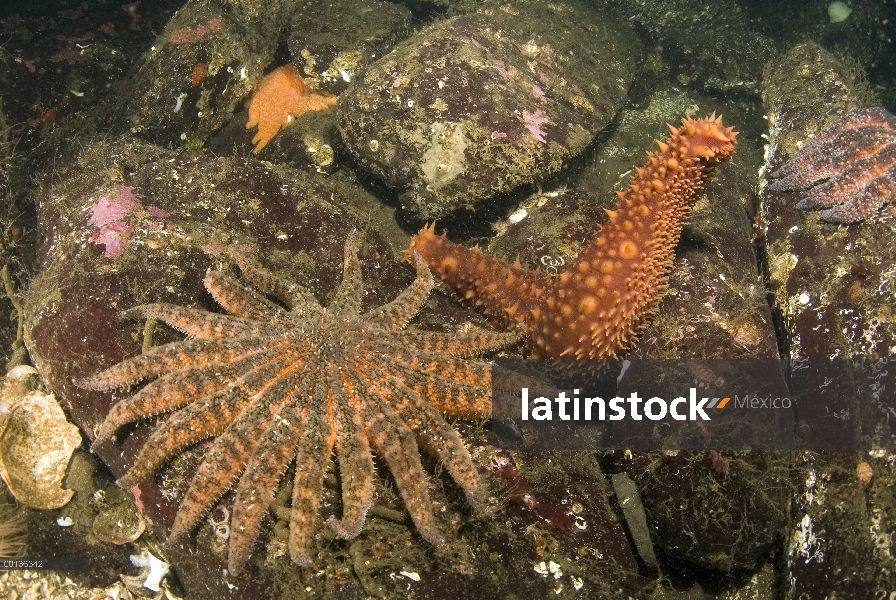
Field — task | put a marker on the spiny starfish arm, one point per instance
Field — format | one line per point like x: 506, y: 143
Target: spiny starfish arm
x: 438, y: 438
x: 175, y: 356
x: 202, y: 323
x: 355, y: 460
x: 862, y: 205
x: 452, y: 368
x: 396, y: 314
x: 394, y: 442
x: 259, y: 482
x: 233, y: 449
x: 830, y: 149
x: 295, y: 296
x: 170, y: 392
x: 312, y: 457
x: 446, y: 393
x: 239, y: 300
x: 816, y: 162
x: 217, y: 474
x: 871, y: 170
x: 347, y: 298
x: 202, y: 419
x: 463, y: 343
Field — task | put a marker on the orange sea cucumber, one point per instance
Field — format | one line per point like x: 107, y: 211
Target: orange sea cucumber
x: 280, y: 98
x: 597, y: 307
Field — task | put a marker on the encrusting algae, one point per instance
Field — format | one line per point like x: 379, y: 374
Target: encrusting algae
x: 281, y: 97
x: 597, y: 307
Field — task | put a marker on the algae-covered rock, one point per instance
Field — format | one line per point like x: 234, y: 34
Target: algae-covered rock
x: 212, y: 55
x: 477, y: 105
x: 126, y: 223
x: 331, y: 43
x: 833, y: 283
x: 833, y: 286
x: 716, y: 45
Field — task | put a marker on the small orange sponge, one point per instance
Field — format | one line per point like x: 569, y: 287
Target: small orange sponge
x: 279, y: 99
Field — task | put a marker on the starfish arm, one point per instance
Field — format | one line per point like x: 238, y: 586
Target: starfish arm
x: 452, y: 368
x: 463, y: 343
x: 259, y: 482
x: 239, y: 300
x: 172, y: 391
x: 817, y: 162
x: 312, y: 456
x: 202, y: 323
x: 347, y: 298
x: 863, y: 204
x: 461, y: 391
x: 233, y: 449
x: 202, y: 419
x: 394, y: 442
x: 438, y: 438
x: 298, y: 298
x: 850, y: 181
x: 396, y: 314
x: 834, y: 147
x: 355, y: 460
x: 176, y: 356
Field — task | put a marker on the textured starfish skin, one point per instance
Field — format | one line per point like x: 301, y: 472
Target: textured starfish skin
x: 849, y: 168
x: 277, y: 386
x: 596, y: 308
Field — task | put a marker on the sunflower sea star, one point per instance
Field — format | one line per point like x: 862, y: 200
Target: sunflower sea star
x: 280, y: 98
x: 849, y: 168
x: 600, y: 303
x: 275, y: 385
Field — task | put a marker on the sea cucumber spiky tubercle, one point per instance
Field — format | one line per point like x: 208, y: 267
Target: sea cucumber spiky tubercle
x: 597, y: 306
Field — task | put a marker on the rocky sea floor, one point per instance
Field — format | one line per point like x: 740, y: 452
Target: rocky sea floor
x: 127, y: 172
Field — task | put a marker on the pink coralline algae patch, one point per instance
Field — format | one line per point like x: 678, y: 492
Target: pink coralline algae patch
x: 114, y: 237
x: 502, y: 70
x: 108, y: 210
x: 533, y: 122
x: 68, y: 55
x: 849, y: 169
x: 108, y: 216
x: 537, y: 91
x: 187, y: 35
x: 155, y: 211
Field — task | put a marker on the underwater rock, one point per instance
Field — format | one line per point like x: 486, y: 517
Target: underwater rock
x: 720, y: 511
x: 181, y: 219
x: 833, y: 285
x: 212, y: 55
x: 208, y: 59
x: 714, y: 45
x: 478, y: 105
x: 332, y: 43
x: 36, y: 444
